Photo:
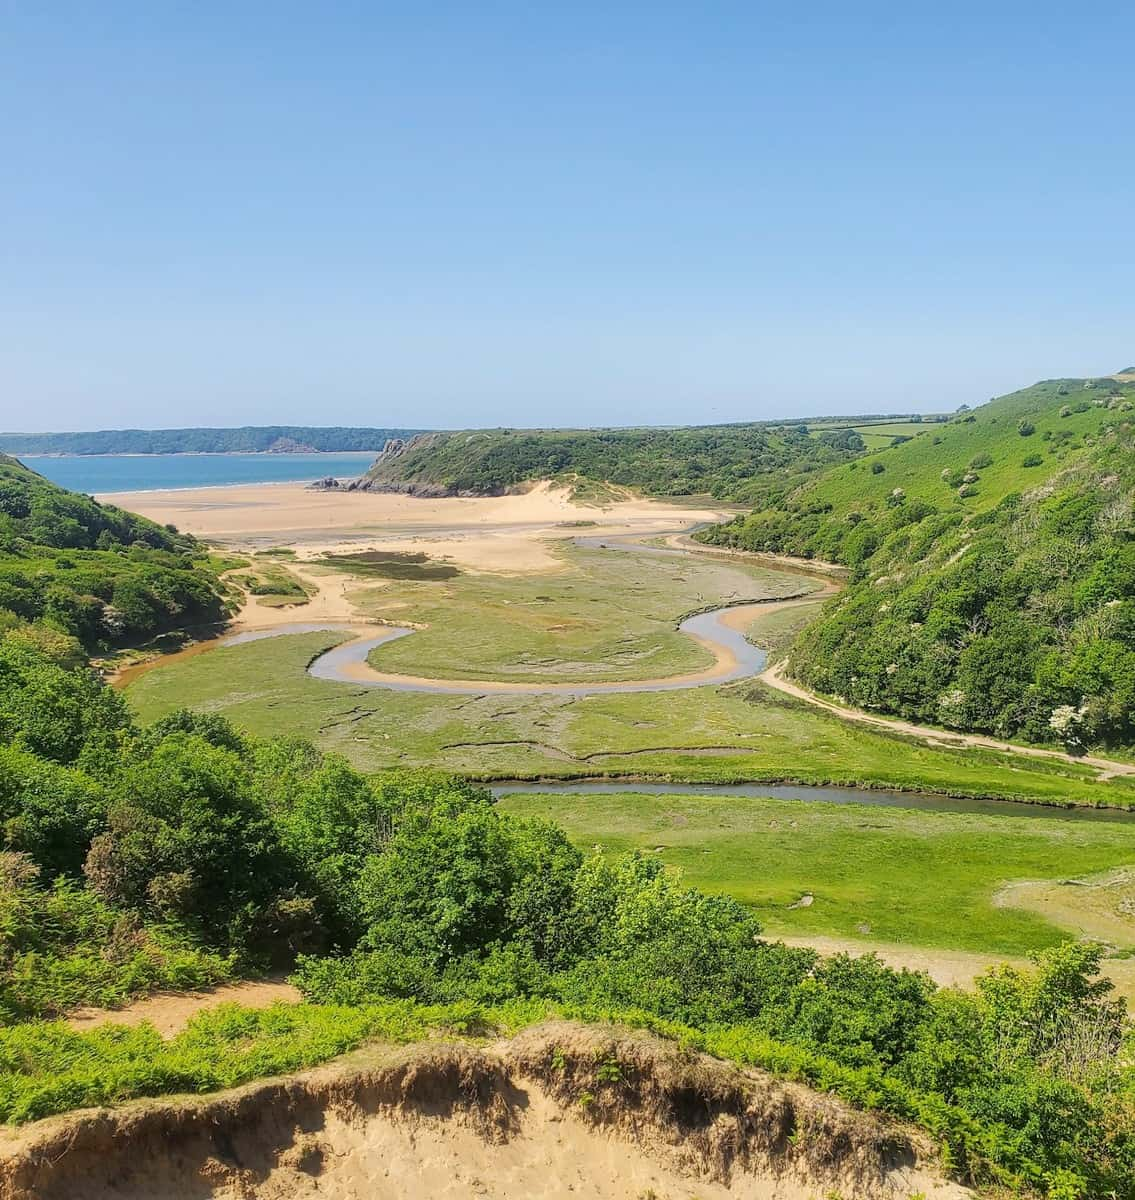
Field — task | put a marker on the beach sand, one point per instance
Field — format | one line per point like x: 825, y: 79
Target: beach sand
x: 505, y: 534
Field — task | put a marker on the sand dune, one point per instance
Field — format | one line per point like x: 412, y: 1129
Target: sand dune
x: 493, y: 533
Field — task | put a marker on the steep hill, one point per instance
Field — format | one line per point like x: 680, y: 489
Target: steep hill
x: 993, y: 564
x: 249, y: 439
x: 729, y: 462
x: 94, y: 571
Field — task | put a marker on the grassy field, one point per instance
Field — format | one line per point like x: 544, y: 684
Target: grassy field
x: 992, y: 433
x: 606, y: 615
x: 746, y: 731
x: 880, y: 434
x: 895, y: 875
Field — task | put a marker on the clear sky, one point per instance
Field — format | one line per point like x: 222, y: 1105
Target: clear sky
x: 458, y: 214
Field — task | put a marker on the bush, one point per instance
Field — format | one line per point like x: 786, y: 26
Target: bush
x: 60, y: 946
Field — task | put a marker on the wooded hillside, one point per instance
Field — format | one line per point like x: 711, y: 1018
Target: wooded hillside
x: 993, y: 565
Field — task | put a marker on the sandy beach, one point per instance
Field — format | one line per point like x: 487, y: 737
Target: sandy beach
x: 496, y: 533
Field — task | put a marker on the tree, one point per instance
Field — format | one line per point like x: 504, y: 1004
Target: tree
x: 187, y: 842
x: 48, y: 812
x: 49, y: 707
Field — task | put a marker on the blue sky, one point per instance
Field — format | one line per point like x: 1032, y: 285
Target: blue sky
x: 456, y: 214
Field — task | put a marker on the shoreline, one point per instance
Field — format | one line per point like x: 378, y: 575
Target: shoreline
x: 282, y: 454
x: 115, y: 497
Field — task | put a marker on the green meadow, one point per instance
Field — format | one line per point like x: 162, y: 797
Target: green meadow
x: 887, y: 874
x: 742, y: 732
x: 603, y: 615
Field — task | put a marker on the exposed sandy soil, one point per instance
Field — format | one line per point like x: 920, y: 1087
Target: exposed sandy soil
x: 497, y: 533
x: 948, y: 968
x: 170, y: 1012
x: 742, y: 616
x: 327, y: 601
x: 951, y: 968
x: 1100, y: 907
x: 527, y: 1119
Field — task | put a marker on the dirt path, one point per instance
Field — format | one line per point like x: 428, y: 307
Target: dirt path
x: 1108, y: 768
x: 170, y: 1012
x: 774, y: 676
x: 949, y: 968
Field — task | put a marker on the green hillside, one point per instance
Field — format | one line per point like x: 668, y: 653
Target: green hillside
x: 993, y: 563
x: 730, y: 462
x: 93, y: 571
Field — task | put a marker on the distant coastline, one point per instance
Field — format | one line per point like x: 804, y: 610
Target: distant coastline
x: 282, y: 440
x: 194, y: 453
x: 103, y: 474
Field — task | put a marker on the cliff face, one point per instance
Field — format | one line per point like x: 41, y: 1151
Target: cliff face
x: 559, y: 1112
x: 414, y: 468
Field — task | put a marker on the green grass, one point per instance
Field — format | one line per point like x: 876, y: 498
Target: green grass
x: 917, y: 466
x: 271, y: 582
x: 746, y: 732
x: 893, y: 875
x: 878, y: 435
x: 875, y: 441
x: 606, y: 615
x: 47, y: 1068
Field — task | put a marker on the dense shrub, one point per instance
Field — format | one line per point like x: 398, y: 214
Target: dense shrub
x: 731, y: 462
x: 93, y: 571
x: 1013, y: 618
x: 60, y: 946
x: 205, y: 851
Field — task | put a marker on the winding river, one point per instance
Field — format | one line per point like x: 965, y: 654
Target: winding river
x: 717, y: 630
x: 737, y: 658
x: 813, y: 793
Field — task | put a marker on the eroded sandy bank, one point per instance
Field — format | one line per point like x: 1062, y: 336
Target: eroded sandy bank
x: 560, y: 1111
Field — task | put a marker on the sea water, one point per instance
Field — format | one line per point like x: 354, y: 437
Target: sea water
x: 98, y: 473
